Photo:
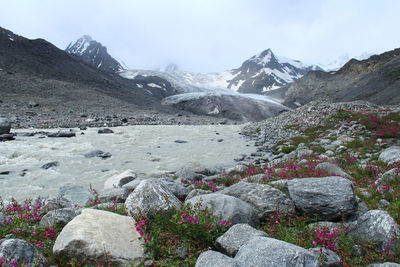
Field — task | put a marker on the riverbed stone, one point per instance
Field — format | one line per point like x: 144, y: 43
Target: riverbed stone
x: 93, y: 234
x: 231, y: 241
x: 22, y: 252
x: 228, y: 207
x: 327, y: 198
x: 118, y: 194
x: 150, y: 197
x: 62, y: 133
x: 212, y: 258
x: 376, y: 226
x: 120, y: 179
x: 178, y: 190
x: 265, y: 251
x: 390, y: 155
x: 50, y: 165
x: 76, y: 194
x: 265, y: 199
x: 105, y: 131
x: 98, y: 154
x: 197, y: 192
x: 385, y: 264
x: 331, y: 259
x: 5, y: 125
x: 58, y: 216
x: 54, y: 203
x: 192, y: 171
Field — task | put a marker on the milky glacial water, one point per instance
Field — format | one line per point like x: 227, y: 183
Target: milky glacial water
x: 143, y: 149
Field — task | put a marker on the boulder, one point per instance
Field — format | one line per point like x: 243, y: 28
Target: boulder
x: 392, y: 175
x: 22, y: 252
x: 385, y: 264
x: 5, y: 125
x: 93, y: 236
x: 228, y: 207
x: 192, y: 171
x: 151, y: 197
x: 376, y: 226
x: 197, y: 192
x: 119, y: 180
x: 105, y: 131
x: 332, y: 169
x: 212, y: 258
x: 114, y: 194
x: 53, y: 203
x: 98, y: 154
x: 59, y: 216
x: 266, y: 251
x: 133, y: 184
x: 231, y: 241
x: 76, y: 194
x: 330, y: 258
x: 62, y: 133
x: 390, y: 155
x: 328, y: 198
x: 265, y: 199
x: 178, y: 190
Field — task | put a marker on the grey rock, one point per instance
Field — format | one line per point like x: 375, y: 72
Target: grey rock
x: 59, y: 216
x: 266, y: 252
x: 265, y: 199
x: 118, y: 195
x: 178, y: 190
x: 105, y: 131
x: 54, y: 203
x: 98, y: 153
x: 94, y: 234
x: 358, y: 251
x: 192, y: 171
x: 256, y: 178
x: 119, y: 180
x: 392, y: 175
x: 50, y: 165
x: 6, y: 137
x: 331, y: 259
x: 332, y: 169
x: 21, y: 251
x: 151, y: 197
x: 228, y: 207
x: 1, y: 220
x: 385, y: 264
x: 5, y: 125
x: 197, y: 192
x: 76, y: 194
x: 390, y: 155
x: 180, y: 141
x: 212, y: 258
x: 328, y: 198
x: 231, y: 241
x: 376, y: 226
x: 383, y: 203
x: 133, y: 184
x: 62, y: 133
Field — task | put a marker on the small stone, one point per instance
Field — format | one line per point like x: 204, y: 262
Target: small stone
x: 358, y: 251
x: 180, y: 141
x: 383, y: 203
x: 62, y: 133
x: 50, y: 165
x: 98, y: 153
x: 105, y: 131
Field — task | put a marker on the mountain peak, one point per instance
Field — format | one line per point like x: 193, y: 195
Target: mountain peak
x: 94, y: 53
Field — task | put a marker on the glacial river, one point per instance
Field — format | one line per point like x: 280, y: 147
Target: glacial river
x: 143, y: 149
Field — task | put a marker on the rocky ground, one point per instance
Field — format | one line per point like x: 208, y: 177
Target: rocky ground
x: 323, y: 190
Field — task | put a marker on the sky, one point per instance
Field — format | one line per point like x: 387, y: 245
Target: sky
x: 211, y: 35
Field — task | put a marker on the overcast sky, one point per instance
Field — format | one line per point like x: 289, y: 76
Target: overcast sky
x: 211, y: 35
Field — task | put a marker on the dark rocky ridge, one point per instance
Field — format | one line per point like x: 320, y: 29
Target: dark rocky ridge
x: 61, y: 84
x: 94, y: 53
x: 376, y: 79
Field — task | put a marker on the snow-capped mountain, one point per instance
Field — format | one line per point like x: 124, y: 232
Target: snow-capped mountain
x: 265, y: 72
x: 342, y: 60
x: 94, y: 53
x: 261, y: 73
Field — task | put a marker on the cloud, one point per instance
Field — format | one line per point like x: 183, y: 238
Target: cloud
x: 209, y: 35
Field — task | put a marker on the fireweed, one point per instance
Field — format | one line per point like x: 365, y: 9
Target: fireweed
x: 188, y: 229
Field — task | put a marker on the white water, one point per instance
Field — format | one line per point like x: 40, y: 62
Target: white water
x: 132, y: 147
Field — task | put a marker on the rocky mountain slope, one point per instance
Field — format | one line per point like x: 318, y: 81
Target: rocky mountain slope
x: 376, y: 79
x: 257, y: 75
x: 265, y: 72
x: 35, y: 73
x: 94, y: 53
